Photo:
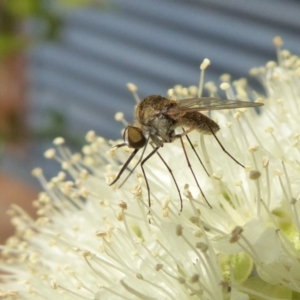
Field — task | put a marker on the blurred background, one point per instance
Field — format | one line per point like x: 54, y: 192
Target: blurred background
x: 64, y: 65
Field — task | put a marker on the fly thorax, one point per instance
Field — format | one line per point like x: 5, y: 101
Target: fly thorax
x: 164, y: 127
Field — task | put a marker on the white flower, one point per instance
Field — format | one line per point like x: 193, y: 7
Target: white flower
x: 94, y: 241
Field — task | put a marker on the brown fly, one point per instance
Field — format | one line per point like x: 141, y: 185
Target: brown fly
x: 156, y: 120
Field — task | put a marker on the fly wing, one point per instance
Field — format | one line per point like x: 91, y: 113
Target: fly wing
x: 209, y: 103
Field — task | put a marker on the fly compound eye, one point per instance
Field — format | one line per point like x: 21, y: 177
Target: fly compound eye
x: 134, y: 137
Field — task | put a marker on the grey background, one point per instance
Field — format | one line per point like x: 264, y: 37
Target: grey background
x: 154, y: 44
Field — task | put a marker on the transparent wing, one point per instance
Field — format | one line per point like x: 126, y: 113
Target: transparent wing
x: 209, y: 103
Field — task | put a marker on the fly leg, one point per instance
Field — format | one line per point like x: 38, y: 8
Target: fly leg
x: 189, y: 164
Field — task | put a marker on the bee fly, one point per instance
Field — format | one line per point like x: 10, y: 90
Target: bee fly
x: 156, y: 120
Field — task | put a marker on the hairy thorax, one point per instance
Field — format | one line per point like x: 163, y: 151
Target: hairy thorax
x: 152, y: 115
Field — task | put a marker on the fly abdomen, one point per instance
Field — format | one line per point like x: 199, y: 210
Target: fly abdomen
x: 202, y: 123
